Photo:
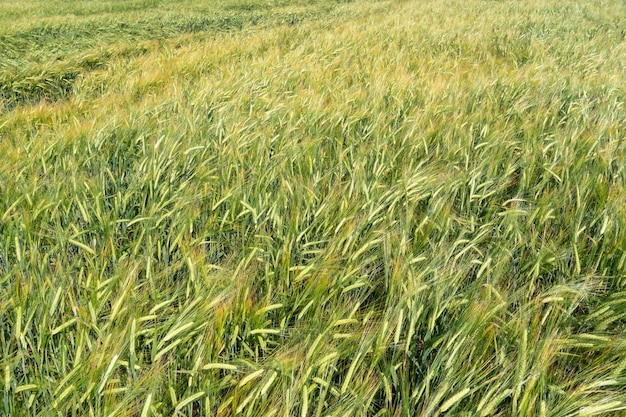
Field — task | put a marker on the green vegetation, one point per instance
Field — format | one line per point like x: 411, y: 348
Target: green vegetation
x: 313, y: 208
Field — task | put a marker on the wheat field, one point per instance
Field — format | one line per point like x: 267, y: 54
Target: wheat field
x: 313, y: 208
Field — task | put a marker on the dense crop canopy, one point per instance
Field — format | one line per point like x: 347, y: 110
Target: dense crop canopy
x: 313, y: 208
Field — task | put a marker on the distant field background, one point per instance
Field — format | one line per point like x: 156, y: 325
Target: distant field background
x: 313, y: 208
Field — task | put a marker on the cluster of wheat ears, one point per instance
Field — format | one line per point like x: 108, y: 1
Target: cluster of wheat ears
x: 312, y: 208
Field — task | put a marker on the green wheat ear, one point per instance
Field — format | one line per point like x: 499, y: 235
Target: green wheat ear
x: 312, y: 208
